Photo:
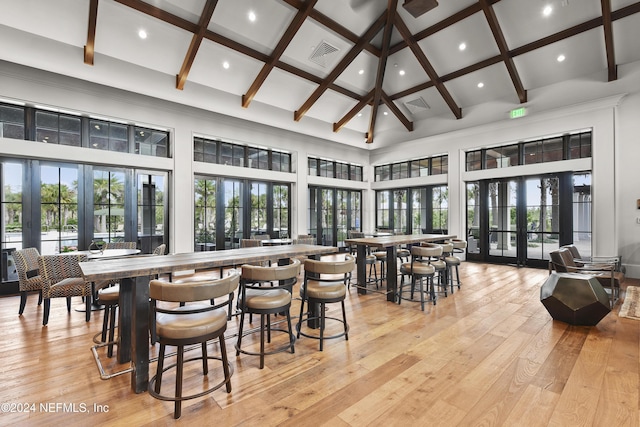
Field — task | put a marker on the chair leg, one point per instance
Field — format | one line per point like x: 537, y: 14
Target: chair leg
x: 69, y: 304
x: 240, y: 333
x: 105, y: 323
x: 205, y: 359
x: 322, y: 320
x: 262, y: 340
x: 112, y: 326
x: 40, y: 297
x: 87, y: 304
x: 225, y: 363
x: 47, y: 308
x: 291, y: 340
x: 344, y: 318
x: 299, y: 325
x: 177, y: 410
x: 159, y: 368
x: 422, y: 293
x: 23, y: 302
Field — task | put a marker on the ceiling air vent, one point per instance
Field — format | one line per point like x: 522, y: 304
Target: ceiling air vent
x: 417, y: 105
x: 324, y: 53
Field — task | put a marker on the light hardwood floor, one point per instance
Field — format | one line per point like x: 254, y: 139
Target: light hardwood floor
x: 487, y: 355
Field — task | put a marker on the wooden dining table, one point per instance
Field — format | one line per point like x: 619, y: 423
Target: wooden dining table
x: 134, y: 274
x: 390, y: 243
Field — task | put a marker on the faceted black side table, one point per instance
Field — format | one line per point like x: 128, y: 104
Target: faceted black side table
x: 577, y: 299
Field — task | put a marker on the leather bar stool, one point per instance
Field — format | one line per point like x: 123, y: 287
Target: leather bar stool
x: 187, y: 325
x: 459, y: 246
x: 108, y: 297
x: 320, y: 287
x: 267, y: 300
x: 435, y: 259
x: 381, y: 256
x: 419, y: 270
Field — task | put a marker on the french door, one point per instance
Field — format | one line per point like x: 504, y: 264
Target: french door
x: 519, y: 220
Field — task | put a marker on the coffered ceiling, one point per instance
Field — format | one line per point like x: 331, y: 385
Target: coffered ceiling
x: 348, y: 70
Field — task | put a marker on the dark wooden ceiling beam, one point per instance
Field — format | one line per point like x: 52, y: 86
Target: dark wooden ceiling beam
x: 392, y: 6
x: 561, y: 35
x: 490, y: 15
x: 334, y: 26
x: 196, y: 40
x: 344, y: 63
x: 607, y: 26
x: 286, y: 38
x: 89, y: 48
x: 353, y: 112
x: 426, y: 65
x: 396, y: 112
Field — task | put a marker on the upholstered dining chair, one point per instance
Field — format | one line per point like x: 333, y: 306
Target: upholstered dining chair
x: 29, y: 278
x: 62, y: 278
x: 194, y: 323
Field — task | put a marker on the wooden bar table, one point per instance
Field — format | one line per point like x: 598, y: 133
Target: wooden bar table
x: 390, y: 243
x: 134, y: 274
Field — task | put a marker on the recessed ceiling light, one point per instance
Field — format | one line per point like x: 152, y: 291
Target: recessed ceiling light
x: 561, y: 58
x: 547, y: 10
x: 252, y: 16
x: 97, y: 127
x: 361, y: 72
x: 480, y: 85
x: 401, y: 72
x: 462, y: 46
x: 385, y: 113
x: 225, y: 65
x: 142, y: 34
x: 359, y: 114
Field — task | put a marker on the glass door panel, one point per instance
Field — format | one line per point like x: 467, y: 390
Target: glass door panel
x: 233, y: 213
x: 59, y: 209
x: 327, y: 217
x: 342, y: 215
x: 151, y: 211
x: 502, y: 205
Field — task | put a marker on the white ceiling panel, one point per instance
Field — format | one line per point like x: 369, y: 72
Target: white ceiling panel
x: 208, y: 69
x: 626, y: 34
x: 584, y: 55
x: 523, y: 22
x: 231, y: 19
x: 164, y: 48
x: 61, y: 20
x: 496, y: 84
x: 443, y: 51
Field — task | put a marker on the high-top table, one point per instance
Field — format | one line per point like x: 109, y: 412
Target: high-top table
x: 390, y: 243
x: 134, y: 274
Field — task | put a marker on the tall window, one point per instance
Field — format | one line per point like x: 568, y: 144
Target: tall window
x: 440, y: 209
x: 354, y: 218
x: 382, y: 209
x: 400, y: 211
x: 233, y: 213
x: 12, y: 213
x: 59, y: 209
x: 108, y: 205
x: 473, y: 217
x: 258, y: 208
x: 151, y: 211
x: 281, y: 210
x: 582, y: 212
x: 205, y: 214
